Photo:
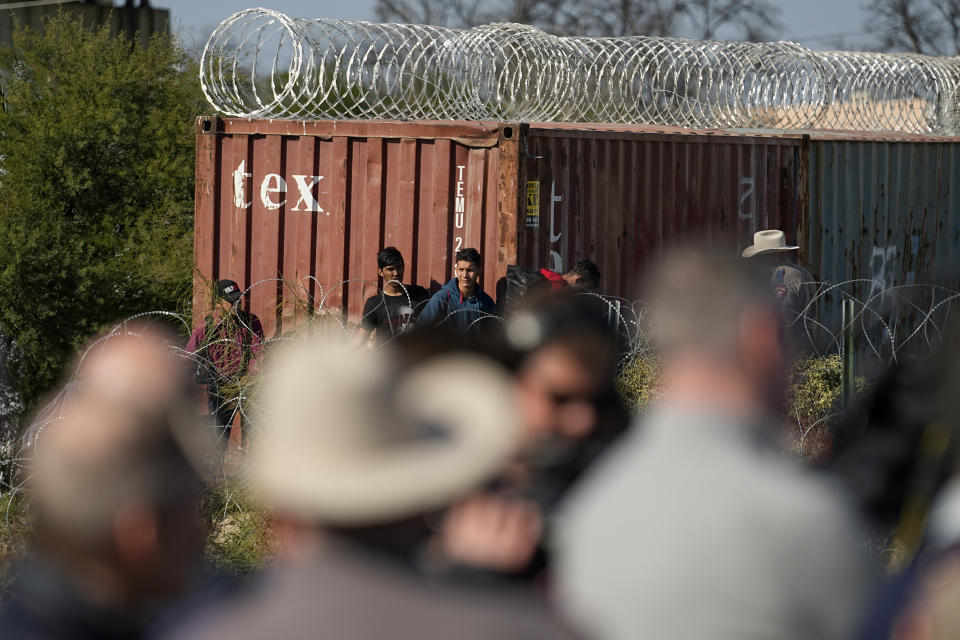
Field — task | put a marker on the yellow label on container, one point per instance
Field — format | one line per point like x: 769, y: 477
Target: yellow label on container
x: 533, y: 204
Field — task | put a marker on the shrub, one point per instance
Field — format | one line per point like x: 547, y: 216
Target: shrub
x: 638, y: 382
x: 813, y: 398
x: 14, y: 535
x: 96, y: 196
x: 813, y: 402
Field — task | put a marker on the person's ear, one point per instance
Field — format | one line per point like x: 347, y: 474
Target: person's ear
x: 761, y: 340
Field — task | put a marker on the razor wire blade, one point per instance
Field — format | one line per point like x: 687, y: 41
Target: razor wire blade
x: 263, y: 64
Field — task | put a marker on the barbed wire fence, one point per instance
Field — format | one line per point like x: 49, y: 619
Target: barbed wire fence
x: 263, y: 64
x: 890, y: 323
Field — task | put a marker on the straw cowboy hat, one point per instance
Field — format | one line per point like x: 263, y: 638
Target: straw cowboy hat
x: 346, y: 438
x: 768, y: 241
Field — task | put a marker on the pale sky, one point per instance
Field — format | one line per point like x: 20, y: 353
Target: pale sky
x: 819, y: 24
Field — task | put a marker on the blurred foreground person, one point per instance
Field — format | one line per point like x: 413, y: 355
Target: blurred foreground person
x: 114, y: 491
x: 696, y: 527
x: 913, y: 438
x: 350, y: 458
x: 570, y: 410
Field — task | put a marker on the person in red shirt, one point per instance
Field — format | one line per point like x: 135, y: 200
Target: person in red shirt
x: 519, y: 281
x: 584, y: 276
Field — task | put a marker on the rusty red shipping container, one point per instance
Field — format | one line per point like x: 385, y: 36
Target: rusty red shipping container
x: 311, y: 202
x: 617, y: 194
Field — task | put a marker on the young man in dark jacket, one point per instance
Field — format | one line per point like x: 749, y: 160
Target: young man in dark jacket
x: 461, y: 302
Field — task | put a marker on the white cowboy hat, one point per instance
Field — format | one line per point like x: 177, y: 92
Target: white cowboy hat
x: 768, y: 241
x: 345, y: 438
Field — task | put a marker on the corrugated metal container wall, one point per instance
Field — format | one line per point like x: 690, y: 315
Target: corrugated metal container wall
x: 884, y: 215
x: 616, y: 194
x: 885, y: 212
x: 313, y: 203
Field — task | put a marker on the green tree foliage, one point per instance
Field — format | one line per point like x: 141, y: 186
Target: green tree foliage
x: 638, y: 382
x: 813, y: 398
x: 96, y: 188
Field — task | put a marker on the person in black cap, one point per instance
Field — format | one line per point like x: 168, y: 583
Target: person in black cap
x: 224, y: 346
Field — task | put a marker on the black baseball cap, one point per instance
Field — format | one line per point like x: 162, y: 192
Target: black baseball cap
x: 229, y: 290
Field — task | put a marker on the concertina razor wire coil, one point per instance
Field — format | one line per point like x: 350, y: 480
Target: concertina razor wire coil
x: 260, y: 63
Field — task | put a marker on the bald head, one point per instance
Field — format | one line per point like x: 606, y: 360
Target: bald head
x: 128, y: 435
x: 135, y: 371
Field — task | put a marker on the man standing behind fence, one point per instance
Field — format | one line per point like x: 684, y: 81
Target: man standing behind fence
x: 792, y: 285
x: 696, y: 527
x: 461, y: 302
x: 521, y: 281
x: 583, y: 276
x: 389, y: 313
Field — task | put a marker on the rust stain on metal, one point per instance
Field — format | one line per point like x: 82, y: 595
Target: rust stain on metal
x: 468, y: 134
x: 206, y: 203
x: 599, y: 131
x: 508, y: 183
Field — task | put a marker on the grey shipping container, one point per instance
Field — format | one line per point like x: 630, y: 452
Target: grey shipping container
x: 883, y: 227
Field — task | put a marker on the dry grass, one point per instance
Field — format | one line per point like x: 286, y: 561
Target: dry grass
x: 238, y: 539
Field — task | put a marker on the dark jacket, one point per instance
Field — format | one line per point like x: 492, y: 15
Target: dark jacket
x: 448, y: 305
x: 41, y: 604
